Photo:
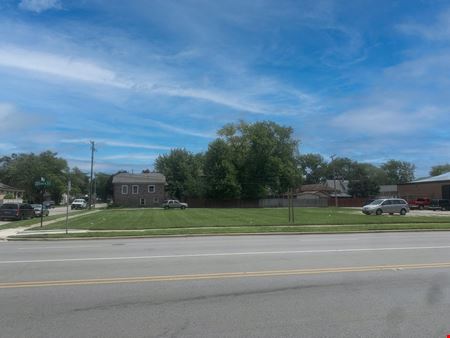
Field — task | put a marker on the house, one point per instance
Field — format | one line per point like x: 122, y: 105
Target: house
x: 7, y: 191
x: 139, y: 190
x: 435, y: 187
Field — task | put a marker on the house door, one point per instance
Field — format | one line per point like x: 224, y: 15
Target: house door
x: 446, y: 192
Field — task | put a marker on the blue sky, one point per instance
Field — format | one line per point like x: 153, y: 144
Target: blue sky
x: 369, y: 80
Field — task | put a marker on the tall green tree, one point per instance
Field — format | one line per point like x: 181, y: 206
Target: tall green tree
x: 220, y: 172
x: 265, y: 156
x: 22, y: 170
x: 314, y: 168
x: 183, y: 171
x: 79, y: 182
x: 398, y: 172
x: 440, y: 169
x: 102, y: 189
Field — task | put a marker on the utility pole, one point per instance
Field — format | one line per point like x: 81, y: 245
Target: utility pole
x: 92, y: 173
x: 334, y: 180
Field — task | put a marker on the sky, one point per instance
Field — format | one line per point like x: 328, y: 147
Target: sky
x: 369, y: 80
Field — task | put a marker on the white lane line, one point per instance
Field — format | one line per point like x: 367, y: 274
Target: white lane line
x: 223, y: 254
x: 60, y: 247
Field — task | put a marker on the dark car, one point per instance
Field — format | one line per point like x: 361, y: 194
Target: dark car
x: 37, y: 210
x: 16, y: 211
x: 440, y: 204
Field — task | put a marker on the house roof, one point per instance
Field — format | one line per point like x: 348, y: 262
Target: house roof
x: 4, y: 187
x: 139, y: 178
x: 443, y: 177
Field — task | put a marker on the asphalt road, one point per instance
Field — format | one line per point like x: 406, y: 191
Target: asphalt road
x: 359, y: 285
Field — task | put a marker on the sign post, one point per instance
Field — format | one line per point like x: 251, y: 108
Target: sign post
x: 42, y: 184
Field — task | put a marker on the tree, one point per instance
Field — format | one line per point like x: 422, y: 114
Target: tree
x: 22, y: 170
x: 79, y: 183
x: 265, y: 157
x: 314, y: 168
x: 398, y: 172
x: 220, y: 172
x: 183, y: 171
x: 440, y: 169
x: 101, y: 181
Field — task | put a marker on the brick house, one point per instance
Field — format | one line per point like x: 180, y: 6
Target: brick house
x: 139, y: 190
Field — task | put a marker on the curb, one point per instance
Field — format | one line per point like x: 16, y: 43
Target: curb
x: 16, y: 239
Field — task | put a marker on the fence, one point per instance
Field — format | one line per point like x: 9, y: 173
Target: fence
x: 296, y: 202
x: 348, y: 202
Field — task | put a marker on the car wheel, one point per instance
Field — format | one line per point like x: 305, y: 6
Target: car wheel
x: 420, y: 207
x: 183, y: 207
x: 166, y: 207
x: 403, y: 212
x: 379, y: 212
x: 443, y: 209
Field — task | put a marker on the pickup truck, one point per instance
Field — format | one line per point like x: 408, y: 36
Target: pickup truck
x: 419, y: 203
x: 78, y: 203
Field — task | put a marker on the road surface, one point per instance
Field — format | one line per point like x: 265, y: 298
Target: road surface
x: 358, y: 285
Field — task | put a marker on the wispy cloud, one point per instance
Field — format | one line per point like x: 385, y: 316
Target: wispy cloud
x: 114, y: 143
x: 39, y: 6
x: 57, y: 65
x: 387, y: 121
x: 438, y: 29
x: 177, y: 130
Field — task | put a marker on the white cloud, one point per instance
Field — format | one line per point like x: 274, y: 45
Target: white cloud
x: 114, y: 143
x: 39, y: 6
x: 13, y: 120
x: 183, y: 131
x: 62, y: 66
x: 439, y: 29
x: 385, y: 121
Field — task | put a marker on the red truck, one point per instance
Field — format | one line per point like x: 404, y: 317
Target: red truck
x: 419, y: 203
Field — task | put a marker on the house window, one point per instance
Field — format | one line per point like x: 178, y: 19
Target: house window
x: 135, y: 189
x: 151, y: 188
x: 124, y: 189
x: 142, y: 201
x: 155, y: 200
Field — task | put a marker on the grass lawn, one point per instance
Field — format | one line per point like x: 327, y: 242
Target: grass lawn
x: 247, y: 219
x: 36, y: 220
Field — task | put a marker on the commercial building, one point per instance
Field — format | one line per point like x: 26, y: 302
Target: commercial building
x: 432, y: 187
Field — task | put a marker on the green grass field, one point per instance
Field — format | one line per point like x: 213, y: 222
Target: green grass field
x: 158, y: 219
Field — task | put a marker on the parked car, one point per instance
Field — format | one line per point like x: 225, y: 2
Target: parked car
x: 419, y: 203
x: 38, y: 208
x: 49, y: 204
x: 16, y: 211
x: 386, y: 205
x: 172, y: 204
x: 78, y: 203
x: 439, y: 204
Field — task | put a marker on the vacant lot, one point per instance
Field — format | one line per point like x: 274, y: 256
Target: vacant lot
x: 140, y: 219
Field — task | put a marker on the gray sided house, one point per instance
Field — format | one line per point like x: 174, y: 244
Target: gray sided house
x: 139, y: 190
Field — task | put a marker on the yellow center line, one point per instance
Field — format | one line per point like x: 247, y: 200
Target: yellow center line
x: 223, y: 275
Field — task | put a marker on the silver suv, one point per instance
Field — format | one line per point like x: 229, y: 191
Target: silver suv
x: 386, y: 205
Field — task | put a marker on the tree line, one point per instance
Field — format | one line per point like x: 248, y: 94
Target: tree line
x: 23, y: 170
x: 246, y: 161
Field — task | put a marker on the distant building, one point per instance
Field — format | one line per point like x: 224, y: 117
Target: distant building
x: 328, y: 188
x: 388, y: 191
x: 435, y: 187
x: 6, y: 190
x: 139, y: 190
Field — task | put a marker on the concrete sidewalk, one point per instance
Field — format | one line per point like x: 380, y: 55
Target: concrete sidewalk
x: 5, y: 233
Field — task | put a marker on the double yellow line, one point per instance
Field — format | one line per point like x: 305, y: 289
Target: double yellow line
x: 224, y: 275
